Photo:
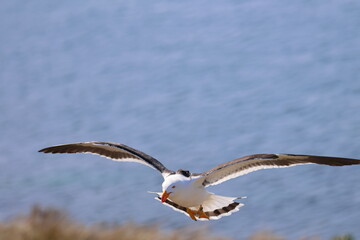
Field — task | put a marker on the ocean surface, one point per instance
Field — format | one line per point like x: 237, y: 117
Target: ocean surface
x: 194, y: 84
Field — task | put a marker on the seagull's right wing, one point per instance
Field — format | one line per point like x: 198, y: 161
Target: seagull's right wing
x: 114, y: 151
x: 251, y: 163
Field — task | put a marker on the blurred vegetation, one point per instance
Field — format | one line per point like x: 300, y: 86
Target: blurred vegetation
x: 52, y: 224
x: 343, y: 237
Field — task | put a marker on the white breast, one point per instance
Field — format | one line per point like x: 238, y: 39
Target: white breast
x: 186, y: 193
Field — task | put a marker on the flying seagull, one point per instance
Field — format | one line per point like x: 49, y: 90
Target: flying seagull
x: 185, y: 191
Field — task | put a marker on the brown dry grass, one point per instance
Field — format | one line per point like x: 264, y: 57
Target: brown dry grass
x: 52, y: 224
x: 265, y: 235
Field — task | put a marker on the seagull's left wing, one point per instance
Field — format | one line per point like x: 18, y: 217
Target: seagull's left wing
x: 251, y: 163
x: 114, y: 151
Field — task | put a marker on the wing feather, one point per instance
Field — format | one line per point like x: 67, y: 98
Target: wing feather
x: 251, y: 163
x: 114, y: 151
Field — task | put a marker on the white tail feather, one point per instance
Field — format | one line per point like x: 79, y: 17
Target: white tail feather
x: 220, y: 206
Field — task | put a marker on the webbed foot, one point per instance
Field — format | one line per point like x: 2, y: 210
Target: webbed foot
x: 201, y: 213
x: 191, y: 214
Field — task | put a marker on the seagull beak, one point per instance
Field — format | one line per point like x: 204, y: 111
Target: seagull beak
x: 164, y: 196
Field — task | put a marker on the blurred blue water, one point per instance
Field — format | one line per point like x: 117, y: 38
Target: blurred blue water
x: 193, y: 83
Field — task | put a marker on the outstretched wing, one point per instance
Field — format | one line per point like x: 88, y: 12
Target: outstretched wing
x: 114, y: 151
x: 251, y: 163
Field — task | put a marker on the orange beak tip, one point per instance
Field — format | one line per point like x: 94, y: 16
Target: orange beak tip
x: 165, y: 196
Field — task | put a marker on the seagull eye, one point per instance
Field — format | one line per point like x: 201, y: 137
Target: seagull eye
x: 173, y: 187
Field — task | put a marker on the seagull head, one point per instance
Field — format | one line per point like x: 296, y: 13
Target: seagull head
x: 173, y: 184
